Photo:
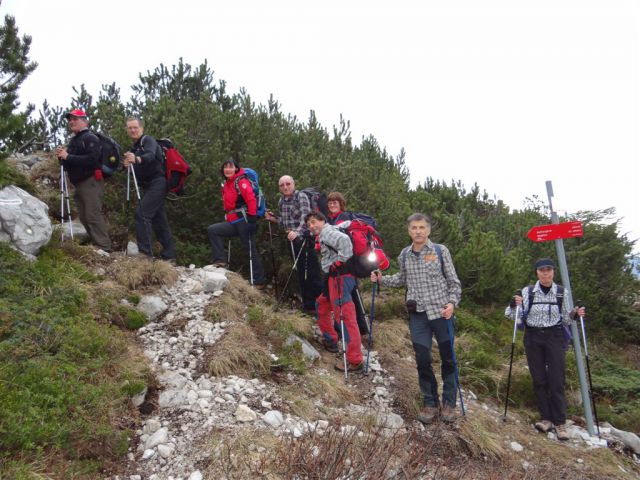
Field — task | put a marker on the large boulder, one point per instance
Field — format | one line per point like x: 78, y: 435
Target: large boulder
x: 25, y: 219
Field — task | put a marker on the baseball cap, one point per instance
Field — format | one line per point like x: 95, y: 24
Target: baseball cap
x: 75, y: 113
x: 545, y: 262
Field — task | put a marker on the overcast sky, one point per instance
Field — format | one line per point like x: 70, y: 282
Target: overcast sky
x: 507, y: 95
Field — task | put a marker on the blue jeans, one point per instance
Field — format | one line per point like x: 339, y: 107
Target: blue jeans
x: 422, y: 330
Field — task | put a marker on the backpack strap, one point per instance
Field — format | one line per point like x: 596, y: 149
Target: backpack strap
x: 438, y: 249
x: 530, y: 294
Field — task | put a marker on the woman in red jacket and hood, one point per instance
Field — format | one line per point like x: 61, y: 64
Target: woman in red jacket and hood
x: 240, y: 206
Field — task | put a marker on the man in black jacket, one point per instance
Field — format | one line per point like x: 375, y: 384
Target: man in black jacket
x: 81, y: 161
x: 146, y: 158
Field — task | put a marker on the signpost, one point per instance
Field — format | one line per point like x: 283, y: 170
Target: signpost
x: 557, y: 231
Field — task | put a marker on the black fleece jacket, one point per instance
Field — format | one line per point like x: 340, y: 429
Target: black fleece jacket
x: 83, y: 156
x: 151, y: 158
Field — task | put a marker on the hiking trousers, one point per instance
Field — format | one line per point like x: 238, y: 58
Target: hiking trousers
x: 336, y: 299
x: 309, y: 273
x: 422, y: 331
x: 247, y: 234
x: 152, y: 216
x: 88, y: 196
x: 546, y: 359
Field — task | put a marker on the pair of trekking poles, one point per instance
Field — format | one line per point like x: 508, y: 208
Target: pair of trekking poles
x: 579, y: 304
x: 64, y: 195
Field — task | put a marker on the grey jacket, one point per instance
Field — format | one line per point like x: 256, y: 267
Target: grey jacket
x: 335, y: 245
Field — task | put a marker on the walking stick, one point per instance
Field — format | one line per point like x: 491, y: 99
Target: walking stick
x: 344, y: 341
x: 293, y: 254
x: 371, y: 317
x: 273, y: 261
x: 455, y: 363
x: 147, y: 225
x: 284, y: 289
x: 586, y: 356
x: 513, y: 344
x: 250, y: 262
x: 64, y: 194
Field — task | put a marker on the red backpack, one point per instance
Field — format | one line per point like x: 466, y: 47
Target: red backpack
x: 367, y: 249
x: 175, y: 166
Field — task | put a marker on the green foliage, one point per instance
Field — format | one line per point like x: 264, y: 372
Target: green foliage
x: 62, y: 375
x: 135, y: 319
x: 291, y: 358
x: 15, y: 67
x: 10, y: 176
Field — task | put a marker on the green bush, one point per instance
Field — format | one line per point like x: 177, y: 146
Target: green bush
x: 62, y: 371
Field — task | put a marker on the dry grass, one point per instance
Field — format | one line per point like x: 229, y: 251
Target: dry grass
x: 479, y: 435
x: 238, y: 352
x: 233, y: 304
x: 140, y: 273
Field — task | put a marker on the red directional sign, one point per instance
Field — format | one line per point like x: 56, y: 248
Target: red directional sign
x: 555, y: 231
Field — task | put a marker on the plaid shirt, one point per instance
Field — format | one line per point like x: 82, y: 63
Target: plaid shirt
x: 292, y: 212
x: 422, y: 275
x: 544, y: 312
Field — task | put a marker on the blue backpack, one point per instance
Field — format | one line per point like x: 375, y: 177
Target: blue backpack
x: 251, y: 175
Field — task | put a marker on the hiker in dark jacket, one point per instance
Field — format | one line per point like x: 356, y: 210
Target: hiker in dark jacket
x: 544, y: 344
x: 81, y: 161
x: 336, y: 250
x: 146, y: 159
x: 294, y: 205
x: 241, y: 207
x: 433, y: 291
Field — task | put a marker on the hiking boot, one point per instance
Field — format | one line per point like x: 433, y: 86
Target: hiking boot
x: 427, y: 415
x: 329, y: 346
x: 448, y: 414
x: 351, y: 367
x: 562, y: 433
x: 220, y: 264
x: 543, y: 426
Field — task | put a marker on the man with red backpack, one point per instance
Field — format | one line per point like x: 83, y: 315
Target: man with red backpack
x: 336, y: 249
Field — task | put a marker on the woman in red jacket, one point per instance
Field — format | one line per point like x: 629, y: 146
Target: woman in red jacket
x: 240, y: 205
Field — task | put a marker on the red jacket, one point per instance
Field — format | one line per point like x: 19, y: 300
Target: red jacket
x: 230, y: 197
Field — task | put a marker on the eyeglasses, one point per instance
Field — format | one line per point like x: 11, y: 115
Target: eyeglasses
x: 283, y: 184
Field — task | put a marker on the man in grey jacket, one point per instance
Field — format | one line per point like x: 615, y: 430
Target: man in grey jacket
x: 336, y: 250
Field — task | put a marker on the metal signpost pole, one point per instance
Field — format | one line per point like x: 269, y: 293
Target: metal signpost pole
x: 568, y: 299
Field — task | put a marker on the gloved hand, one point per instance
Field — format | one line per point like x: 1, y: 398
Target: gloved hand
x: 98, y: 175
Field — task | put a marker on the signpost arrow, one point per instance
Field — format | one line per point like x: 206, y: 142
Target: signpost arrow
x: 555, y: 231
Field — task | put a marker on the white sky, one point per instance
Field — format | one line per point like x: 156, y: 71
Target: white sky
x: 508, y: 94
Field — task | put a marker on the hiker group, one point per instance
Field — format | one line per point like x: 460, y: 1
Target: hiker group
x: 331, y: 248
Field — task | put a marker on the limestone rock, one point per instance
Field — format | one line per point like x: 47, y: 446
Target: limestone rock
x: 308, y: 351
x: 152, y: 306
x: 245, y: 414
x: 25, y: 219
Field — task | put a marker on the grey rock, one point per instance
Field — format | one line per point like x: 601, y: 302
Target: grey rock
x: 138, y: 399
x: 166, y: 451
x: 273, y: 418
x: 196, y: 475
x: 132, y: 249
x: 25, y: 219
x: 516, y: 447
x: 214, y: 281
x: 79, y: 232
x: 148, y: 453
x: 152, y: 306
x: 389, y: 420
x: 631, y: 440
x: 158, y: 437
x: 308, y: 351
x: 151, y: 426
x: 245, y: 414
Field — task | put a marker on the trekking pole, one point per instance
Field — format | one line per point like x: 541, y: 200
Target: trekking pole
x: 147, y: 224
x: 62, y: 202
x: 371, y: 317
x: 273, y: 261
x: 513, y: 344
x: 229, y: 253
x: 344, y: 341
x: 293, y: 254
x: 284, y: 289
x: 66, y: 196
x: 250, y: 262
x: 586, y: 356
x: 455, y: 363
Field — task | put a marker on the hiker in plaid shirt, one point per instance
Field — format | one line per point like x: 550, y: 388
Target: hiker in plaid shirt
x: 433, y: 291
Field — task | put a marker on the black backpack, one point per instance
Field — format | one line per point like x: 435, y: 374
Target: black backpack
x: 110, y: 157
x: 317, y: 199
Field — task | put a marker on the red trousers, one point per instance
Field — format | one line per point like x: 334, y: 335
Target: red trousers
x: 341, y: 304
